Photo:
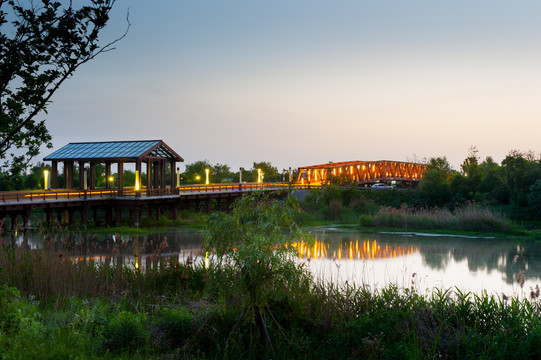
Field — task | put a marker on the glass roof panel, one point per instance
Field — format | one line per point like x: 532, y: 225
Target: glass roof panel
x: 103, y: 150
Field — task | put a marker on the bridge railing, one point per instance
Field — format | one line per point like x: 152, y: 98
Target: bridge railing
x: 63, y: 194
x: 60, y: 194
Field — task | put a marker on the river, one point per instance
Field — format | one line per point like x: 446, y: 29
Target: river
x: 409, y: 260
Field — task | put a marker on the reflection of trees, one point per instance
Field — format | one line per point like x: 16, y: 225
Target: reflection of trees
x: 505, y: 256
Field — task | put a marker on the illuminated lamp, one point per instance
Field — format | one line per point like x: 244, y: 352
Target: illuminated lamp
x: 137, y: 181
x: 207, y: 176
x: 45, y: 179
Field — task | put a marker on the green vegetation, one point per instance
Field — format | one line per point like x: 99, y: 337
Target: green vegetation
x: 250, y: 301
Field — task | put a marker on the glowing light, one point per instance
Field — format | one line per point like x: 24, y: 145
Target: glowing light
x: 197, y: 177
x: 206, y: 260
x: 260, y: 176
x: 207, y: 176
x: 45, y: 179
x: 137, y: 181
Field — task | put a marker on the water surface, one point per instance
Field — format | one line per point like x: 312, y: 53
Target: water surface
x: 376, y: 260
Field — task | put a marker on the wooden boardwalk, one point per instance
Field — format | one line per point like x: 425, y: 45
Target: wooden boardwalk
x: 116, y: 203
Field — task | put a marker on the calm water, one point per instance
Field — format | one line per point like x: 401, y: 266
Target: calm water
x: 425, y: 262
x: 338, y: 255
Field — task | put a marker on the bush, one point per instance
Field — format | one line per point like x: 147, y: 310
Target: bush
x: 366, y: 220
x: 125, y: 331
x: 172, y: 326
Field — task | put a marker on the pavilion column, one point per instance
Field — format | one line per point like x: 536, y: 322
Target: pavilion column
x: 92, y: 175
x: 107, y: 174
x: 120, y: 177
x: 162, y: 165
x: 156, y: 171
x: 81, y: 175
x: 68, y: 174
x: 149, y: 177
x: 54, y: 175
x: 172, y: 165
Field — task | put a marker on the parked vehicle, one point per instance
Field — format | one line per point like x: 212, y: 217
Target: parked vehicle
x: 381, y: 186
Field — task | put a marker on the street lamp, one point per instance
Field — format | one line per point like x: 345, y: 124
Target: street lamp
x: 45, y: 179
x: 137, y: 181
x: 207, y: 176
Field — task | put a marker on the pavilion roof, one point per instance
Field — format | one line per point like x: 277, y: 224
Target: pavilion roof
x: 114, y: 151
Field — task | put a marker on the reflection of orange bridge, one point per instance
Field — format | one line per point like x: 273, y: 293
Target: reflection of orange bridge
x: 361, y: 173
x: 353, y: 250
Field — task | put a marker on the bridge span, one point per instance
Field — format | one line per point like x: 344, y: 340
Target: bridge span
x: 362, y: 173
x: 111, y: 206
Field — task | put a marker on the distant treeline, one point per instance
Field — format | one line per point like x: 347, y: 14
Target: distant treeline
x: 514, y: 186
x: 194, y: 174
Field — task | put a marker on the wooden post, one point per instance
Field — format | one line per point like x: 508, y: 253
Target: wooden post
x: 149, y: 177
x: 54, y: 175
x: 118, y: 214
x: 156, y: 173
x: 173, y: 175
x: 120, y: 177
x: 92, y: 175
x: 81, y: 175
x: 107, y: 174
x: 162, y: 165
x: 26, y: 218
x: 66, y: 174
x: 83, y: 214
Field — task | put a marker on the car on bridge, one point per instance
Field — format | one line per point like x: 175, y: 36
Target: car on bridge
x: 381, y: 186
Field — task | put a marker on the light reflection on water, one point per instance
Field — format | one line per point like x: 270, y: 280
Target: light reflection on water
x: 424, y: 262
x: 339, y: 256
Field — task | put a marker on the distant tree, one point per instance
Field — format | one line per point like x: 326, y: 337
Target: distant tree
x: 470, y: 164
x: 270, y: 173
x: 196, y: 169
x: 42, y: 43
x: 220, y: 172
x: 434, y: 188
x: 534, y: 197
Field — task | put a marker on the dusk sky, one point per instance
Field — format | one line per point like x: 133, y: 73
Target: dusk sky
x: 303, y: 82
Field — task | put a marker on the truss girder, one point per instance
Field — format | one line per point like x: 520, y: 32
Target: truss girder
x: 361, y: 172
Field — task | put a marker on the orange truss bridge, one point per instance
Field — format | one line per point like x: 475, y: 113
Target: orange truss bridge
x: 361, y: 173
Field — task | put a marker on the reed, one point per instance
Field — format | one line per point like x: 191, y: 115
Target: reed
x: 471, y: 217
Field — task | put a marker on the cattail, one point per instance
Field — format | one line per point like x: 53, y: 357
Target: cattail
x: 520, y: 279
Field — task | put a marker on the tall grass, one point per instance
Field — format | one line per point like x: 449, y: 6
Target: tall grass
x: 471, y: 217
x: 189, y: 311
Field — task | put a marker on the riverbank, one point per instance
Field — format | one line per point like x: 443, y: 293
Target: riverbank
x: 200, y: 313
x: 252, y: 305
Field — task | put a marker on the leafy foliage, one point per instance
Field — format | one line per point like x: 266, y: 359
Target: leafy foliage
x: 257, y: 239
x: 39, y: 49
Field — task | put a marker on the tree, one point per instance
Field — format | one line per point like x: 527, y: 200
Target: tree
x: 42, y: 43
x: 270, y: 173
x: 257, y: 240
x: 195, y: 172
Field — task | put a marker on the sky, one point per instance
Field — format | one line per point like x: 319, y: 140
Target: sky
x: 305, y: 82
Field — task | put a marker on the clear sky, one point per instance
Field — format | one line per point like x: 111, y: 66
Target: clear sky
x: 303, y: 82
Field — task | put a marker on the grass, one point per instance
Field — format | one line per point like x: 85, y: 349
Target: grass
x: 205, y: 321
x: 469, y: 218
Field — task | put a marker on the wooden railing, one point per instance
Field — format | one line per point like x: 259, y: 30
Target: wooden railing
x: 62, y: 194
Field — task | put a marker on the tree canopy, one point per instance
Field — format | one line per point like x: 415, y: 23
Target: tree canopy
x: 42, y: 43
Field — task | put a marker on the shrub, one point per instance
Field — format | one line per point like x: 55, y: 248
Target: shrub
x: 124, y: 331
x: 172, y: 326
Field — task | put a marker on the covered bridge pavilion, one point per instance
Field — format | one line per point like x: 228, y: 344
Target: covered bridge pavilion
x: 154, y: 153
